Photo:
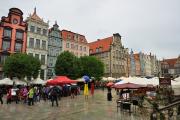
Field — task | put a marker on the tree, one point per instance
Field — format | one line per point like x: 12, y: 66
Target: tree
x: 21, y: 65
x: 68, y: 64
x: 92, y: 67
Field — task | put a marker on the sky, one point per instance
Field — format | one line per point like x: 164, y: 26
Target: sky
x: 145, y: 25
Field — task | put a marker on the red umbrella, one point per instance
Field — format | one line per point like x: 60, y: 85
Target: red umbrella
x: 59, y: 80
x: 128, y: 86
x: 109, y: 84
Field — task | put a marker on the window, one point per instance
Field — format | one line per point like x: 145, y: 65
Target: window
x: 37, y: 56
x: 32, y: 29
x: 44, y: 32
x: 38, y: 43
x: 43, y: 59
x: 6, y: 45
x: 3, y: 58
x: 31, y: 42
x: 72, y: 46
x: 69, y: 37
x: 38, y: 30
x: 19, y: 35
x: 67, y: 45
x: 18, y: 47
x: 76, y: 47
x: 30, y: 54
x: 97, y: 49
x: 84, y: 49
x: 90, y: 50
x: 42, y: 74
x: 7, y: 32
x: 80, y: 48
x: 43, y: 45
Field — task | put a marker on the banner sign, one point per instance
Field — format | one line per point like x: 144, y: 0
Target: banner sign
x: 164, y: 81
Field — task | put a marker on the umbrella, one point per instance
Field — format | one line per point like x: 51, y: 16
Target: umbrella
x: 128, y: 86
x: 59, y: 80
x: 86, y: 78
x: 109, y: 84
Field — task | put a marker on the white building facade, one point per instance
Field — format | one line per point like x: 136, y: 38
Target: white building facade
x: 37, y: 41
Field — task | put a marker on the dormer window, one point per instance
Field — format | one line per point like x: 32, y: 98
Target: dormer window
x: 90, y: 50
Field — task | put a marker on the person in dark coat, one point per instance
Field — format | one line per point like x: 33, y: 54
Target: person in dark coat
x: 109, y: 95
x: 54, y: 95
x: 1, y: 95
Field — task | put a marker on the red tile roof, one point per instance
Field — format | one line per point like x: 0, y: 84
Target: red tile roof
x: 170, y: 62
x: 71, y: 35
x: 104, y: 44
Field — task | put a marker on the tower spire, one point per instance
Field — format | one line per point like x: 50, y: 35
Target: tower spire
x: 35, y: 10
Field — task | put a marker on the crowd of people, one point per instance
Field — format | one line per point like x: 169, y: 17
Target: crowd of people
x: 30, y: 94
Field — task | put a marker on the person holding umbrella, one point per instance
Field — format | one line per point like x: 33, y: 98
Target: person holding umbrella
x: 86, y: 90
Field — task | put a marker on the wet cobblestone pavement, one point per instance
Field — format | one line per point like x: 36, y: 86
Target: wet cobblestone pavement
x: 95, y: 108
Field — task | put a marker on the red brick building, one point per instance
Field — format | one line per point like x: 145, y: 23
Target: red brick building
x: 13, y: 35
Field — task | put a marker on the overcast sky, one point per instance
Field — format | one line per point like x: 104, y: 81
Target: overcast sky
x: 145, y: 25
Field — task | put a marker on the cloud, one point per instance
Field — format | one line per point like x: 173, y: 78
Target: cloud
x: 145, y: 25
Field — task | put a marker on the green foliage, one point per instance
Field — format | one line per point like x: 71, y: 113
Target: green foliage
x: 21, y: 65
x: 92, y: 66
x: 69, y: 65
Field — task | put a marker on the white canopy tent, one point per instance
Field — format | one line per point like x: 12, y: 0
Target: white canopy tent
x: 6, y: 81
x: 139, y: 80
x: 38, y: 81
x: 19, y: 82
x: 177, y: 79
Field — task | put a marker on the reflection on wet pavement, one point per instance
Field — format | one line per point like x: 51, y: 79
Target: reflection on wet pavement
x: 95, y: 108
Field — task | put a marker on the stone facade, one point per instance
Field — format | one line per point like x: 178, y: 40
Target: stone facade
x: 75, y: 43
x: 54, y: 48
x: 37, y: 41
x: 13, y: 35
x: 112, y: 53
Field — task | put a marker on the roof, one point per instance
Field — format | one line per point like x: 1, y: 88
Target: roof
x: 34, y: 16
x: 170, y: 62
x: 104, y: 44
x: 71, y: 36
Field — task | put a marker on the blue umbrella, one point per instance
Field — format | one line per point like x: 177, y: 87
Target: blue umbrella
x: 86, y: 78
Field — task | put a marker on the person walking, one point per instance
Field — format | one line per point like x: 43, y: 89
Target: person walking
x: 1, y: 95
x: 54, y: 95
x: 86, y: 91
x: 92, y: 88
x: 30, y: 96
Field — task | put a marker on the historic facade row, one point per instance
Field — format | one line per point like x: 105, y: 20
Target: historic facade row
x: 33, y: 36
x: 143, y: 65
